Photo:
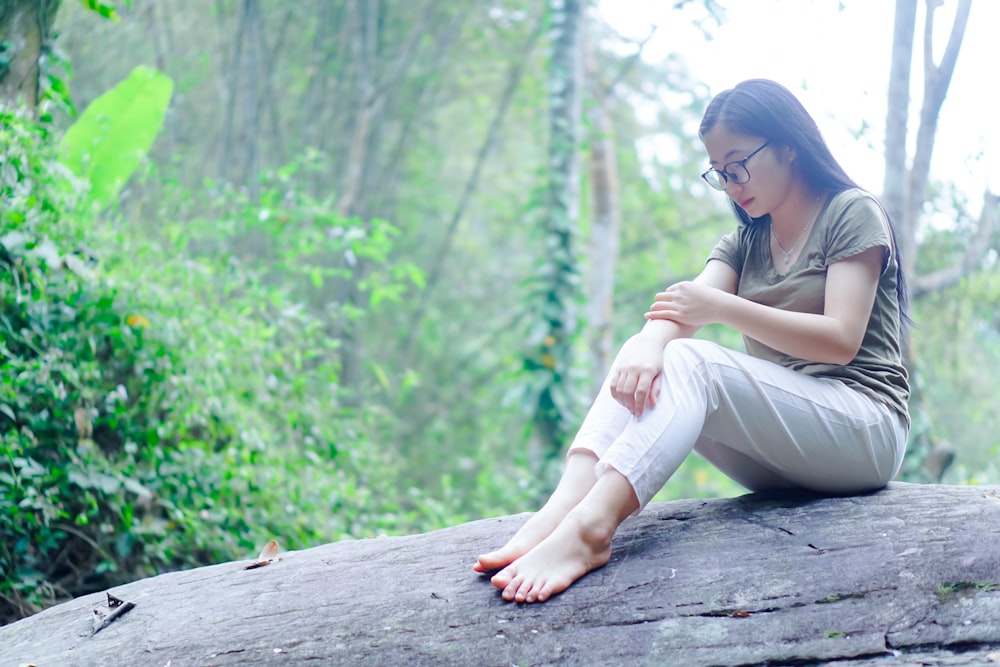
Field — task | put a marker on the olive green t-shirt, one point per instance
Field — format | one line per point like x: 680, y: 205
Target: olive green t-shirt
x: 850, y: 222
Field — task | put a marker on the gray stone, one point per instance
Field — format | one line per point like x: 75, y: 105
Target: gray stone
x: 906, y: 576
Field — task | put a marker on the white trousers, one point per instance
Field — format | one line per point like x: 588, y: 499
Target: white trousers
x: 763, y: 425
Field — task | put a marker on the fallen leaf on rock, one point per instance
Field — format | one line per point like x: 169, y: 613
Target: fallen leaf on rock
x: 106, y: 614
x: 268, y: 554
x: 994, y: 657
x: 992, y: 495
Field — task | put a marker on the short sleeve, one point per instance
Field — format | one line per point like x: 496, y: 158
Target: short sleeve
x: 859, y: 225
x: 729, y: 250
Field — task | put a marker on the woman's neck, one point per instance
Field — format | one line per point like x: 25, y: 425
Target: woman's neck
x: 800, y: 208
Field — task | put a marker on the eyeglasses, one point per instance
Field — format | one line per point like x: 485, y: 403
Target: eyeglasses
x: 736, y: 172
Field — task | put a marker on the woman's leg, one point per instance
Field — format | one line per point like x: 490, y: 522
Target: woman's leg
x: 784, y: 428
x: 577, y: 479
x: 580, y: 543
x: 605, y: 420
x: 741, y: 468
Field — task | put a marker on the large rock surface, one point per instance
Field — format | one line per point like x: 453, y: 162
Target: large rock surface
x: 906, y: 576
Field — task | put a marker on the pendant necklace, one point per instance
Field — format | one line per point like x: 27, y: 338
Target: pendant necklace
x: 787, y: 254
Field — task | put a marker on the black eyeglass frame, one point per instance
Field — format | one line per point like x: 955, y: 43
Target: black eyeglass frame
x: 724, y: 174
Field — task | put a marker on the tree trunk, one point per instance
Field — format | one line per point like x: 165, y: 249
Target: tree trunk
x: 367, y: 102
x: 905, y: 192
x: 560, y: 272
x: 232, y: 88
x: 604, y: 231
x: 894, y: 185
x: 902, y: 577
x: 937, y: 78
x: 251, y: 101
x: 25, y: 25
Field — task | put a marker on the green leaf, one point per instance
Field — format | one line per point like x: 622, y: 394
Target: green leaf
x: 29, y: 467
x: 137, y: 488
x: 107, y: 11
x: 114, y: 134
x: 58, y: 92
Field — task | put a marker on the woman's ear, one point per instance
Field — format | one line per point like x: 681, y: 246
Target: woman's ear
x: 788, y: 154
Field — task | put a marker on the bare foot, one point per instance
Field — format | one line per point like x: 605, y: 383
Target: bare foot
x: 577, y: 480
x: 536, y: 529
x: 569, y: 552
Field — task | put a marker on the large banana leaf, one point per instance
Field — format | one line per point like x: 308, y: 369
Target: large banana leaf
x: 105, y: 145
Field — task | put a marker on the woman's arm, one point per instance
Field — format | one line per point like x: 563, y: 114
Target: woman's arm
x: 833, y: 337
x: 716, y: 274
x: 636, y: 370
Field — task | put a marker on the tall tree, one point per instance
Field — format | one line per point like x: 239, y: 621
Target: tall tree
x: 244, y: 69
x: 605, y: 224
x: 905, y: 188
x: 937, y: 78
x: 897, y: 116
x: 559, y: 277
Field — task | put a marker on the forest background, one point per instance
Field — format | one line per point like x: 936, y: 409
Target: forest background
x: 335, y: 269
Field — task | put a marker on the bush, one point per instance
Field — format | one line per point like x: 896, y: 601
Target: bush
x: 164, y: 409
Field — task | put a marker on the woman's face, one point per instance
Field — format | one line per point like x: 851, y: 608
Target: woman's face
x: 770, y: 169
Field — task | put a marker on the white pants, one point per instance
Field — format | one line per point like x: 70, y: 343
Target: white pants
x: 763, y: 425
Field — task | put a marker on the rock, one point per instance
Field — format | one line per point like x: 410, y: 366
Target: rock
x: 906, y: 576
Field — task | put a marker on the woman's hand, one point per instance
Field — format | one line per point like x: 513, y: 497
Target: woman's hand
x: 635, y: 374
x: 688, y: 303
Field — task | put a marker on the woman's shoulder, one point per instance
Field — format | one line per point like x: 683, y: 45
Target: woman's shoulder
x: 854, y: 199
x: 855, y: 221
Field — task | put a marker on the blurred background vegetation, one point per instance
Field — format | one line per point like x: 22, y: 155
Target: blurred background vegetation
x: 333, y: 269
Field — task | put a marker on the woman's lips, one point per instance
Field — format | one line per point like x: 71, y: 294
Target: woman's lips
x: 746, y: 202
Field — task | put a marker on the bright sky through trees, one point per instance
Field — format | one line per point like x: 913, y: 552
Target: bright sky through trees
x: 837, y: 61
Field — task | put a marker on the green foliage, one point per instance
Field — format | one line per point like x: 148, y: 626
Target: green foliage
x: 107, y: 11
x: 183, y: 396
x: 54, y: 86
x: 67, y: 378
x: 552, y: 298
x: 956, y: 341
x: 109, y: 140
x: 81, y: 398
x: 175, y: 405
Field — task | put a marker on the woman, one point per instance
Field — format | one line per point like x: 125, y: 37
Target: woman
x: 811, y: 278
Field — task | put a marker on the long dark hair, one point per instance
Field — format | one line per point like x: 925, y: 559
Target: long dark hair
x: 763, y: 108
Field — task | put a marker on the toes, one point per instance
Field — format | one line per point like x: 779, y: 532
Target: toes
x: 483, y: 562
x: 503, y: 578
x: 513, y: 590
x: 493, y: 560
x: 524, y: 592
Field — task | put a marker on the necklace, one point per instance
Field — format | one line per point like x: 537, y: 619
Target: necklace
x: 787, y: 254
